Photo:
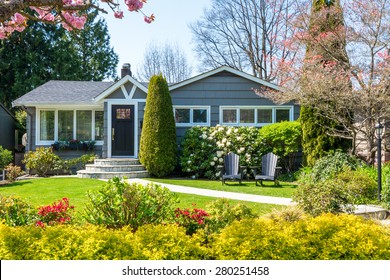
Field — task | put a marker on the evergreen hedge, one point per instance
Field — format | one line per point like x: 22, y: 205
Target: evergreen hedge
x: 158, y: 150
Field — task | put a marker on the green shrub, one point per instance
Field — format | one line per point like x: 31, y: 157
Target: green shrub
x: 43, y: 161
x: 191, y: 220
x: 287, y: 214
x: 329, y: 196
x: 78, y: 163
x: 5, y: 157
x: 152, y: 242
x: 284, y: 140
x: 327, y: 237
x: 204, y: 148
x: 329, y: 166
x: 221, y: 214
x: 14, y: 211
x: 118, y: 203
x: 13, y: 172
x: 158, y: 150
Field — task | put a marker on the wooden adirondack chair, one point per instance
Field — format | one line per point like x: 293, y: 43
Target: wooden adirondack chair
x: 269, y: 171
x: 231, y: 169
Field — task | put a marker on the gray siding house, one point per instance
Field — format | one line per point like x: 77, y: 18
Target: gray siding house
x: 111, y: 113
x: 7, y: 128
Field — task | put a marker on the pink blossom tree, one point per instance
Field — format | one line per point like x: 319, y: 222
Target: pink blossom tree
x: 14, y: 14
x: 356, y: 87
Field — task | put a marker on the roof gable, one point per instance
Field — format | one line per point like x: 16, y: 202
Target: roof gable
x: 219, y: 70
x: 121, y: 85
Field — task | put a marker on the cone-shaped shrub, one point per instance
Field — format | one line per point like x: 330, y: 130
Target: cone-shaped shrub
x: 158, y: 148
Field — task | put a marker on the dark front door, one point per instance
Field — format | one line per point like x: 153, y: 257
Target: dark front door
x: 122, y: 133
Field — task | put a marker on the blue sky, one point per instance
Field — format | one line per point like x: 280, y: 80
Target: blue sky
x: 131, y: 35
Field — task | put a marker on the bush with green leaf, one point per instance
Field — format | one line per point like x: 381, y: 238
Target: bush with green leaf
x: 330, y: 166
x: 326, y: 237
x: 284, y: 140
x: 14, y: 211
x: 43, y: 161
x: 13, y: 172
x: 158, y: 149
x: 204, y: 148
x: 5, y: 157
x: 117, y: 204
x: 222, y: 213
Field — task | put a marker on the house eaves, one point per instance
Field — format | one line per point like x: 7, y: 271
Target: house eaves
x: 221, y: 69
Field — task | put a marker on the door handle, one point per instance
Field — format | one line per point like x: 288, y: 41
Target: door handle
x: 113, y: 134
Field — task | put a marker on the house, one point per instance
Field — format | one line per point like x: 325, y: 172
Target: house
x: 111, y: 113
x: 7, y: 128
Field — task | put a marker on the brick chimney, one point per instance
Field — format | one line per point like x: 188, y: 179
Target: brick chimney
x: 125, y: 70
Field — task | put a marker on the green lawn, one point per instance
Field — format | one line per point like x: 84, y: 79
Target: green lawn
x: 285, y: 189
x: 44, y: 191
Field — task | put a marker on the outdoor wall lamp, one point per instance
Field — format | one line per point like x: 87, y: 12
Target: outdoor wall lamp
x: 379, y: 129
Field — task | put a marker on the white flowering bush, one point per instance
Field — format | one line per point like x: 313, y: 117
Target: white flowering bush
x: 204, y: 148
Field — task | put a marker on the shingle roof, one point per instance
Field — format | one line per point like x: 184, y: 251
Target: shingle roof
x: 63, y: 92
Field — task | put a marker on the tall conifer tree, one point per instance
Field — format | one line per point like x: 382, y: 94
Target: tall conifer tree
x: 316, y: 140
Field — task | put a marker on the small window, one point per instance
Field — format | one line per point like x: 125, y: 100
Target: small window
x: 46, y: 123
x: 123, y: 114
x: 65, y: 125
x: 229, y: 116
x: 182, y: 115
x: 84, y: 125
x: 264, y: 115
x: 199, y: 116
x: 99, y: 125
x: 282, y: 115
x: 247, y: 116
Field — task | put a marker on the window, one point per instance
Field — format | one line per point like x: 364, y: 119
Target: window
x: 182, y: 115
x: 190, y: 116
x: 229, y: 116
x: 65, y: 125
x: 247, y: 115
x: 282, y: 115
x: 84, y: 125
x: 99, y: 121
x: 264, y: 116
x: 46, y: 125
x: 257, y: 116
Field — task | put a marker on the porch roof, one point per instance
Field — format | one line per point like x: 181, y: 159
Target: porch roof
x: 63, y: 92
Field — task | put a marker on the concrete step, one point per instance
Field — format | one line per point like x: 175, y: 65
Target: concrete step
x: 110, y: 175
x: 113, y: 168
x: 116, y: 161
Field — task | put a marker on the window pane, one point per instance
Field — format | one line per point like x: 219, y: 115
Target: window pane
x: 229, y: 116
x: 264, y: 116
x: 65, y: 125
x: 99, y: 125
x: 123, y: 114
x: 200, y: 116
x: 182, y: 115
x: 46, y: 126
x: 84, y: 125
x: 282, y: 115
x: 247, y: 115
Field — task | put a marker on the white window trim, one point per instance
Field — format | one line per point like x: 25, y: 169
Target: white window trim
x: 255, y: 108
x: 40, y: 142
x: 192, y: 108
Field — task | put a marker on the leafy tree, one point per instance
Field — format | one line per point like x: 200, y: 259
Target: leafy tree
x: 346, y: 79
x: 45, y: 52
x: 158, y: 150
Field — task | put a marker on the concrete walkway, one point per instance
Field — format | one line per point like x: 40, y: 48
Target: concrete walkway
x: 221, y: 194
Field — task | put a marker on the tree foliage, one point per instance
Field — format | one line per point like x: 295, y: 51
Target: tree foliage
x: 158, y: 150
x: 45, y: 52
x: 246, y: 35
x: 167, y: 59
x: 350, y: 88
